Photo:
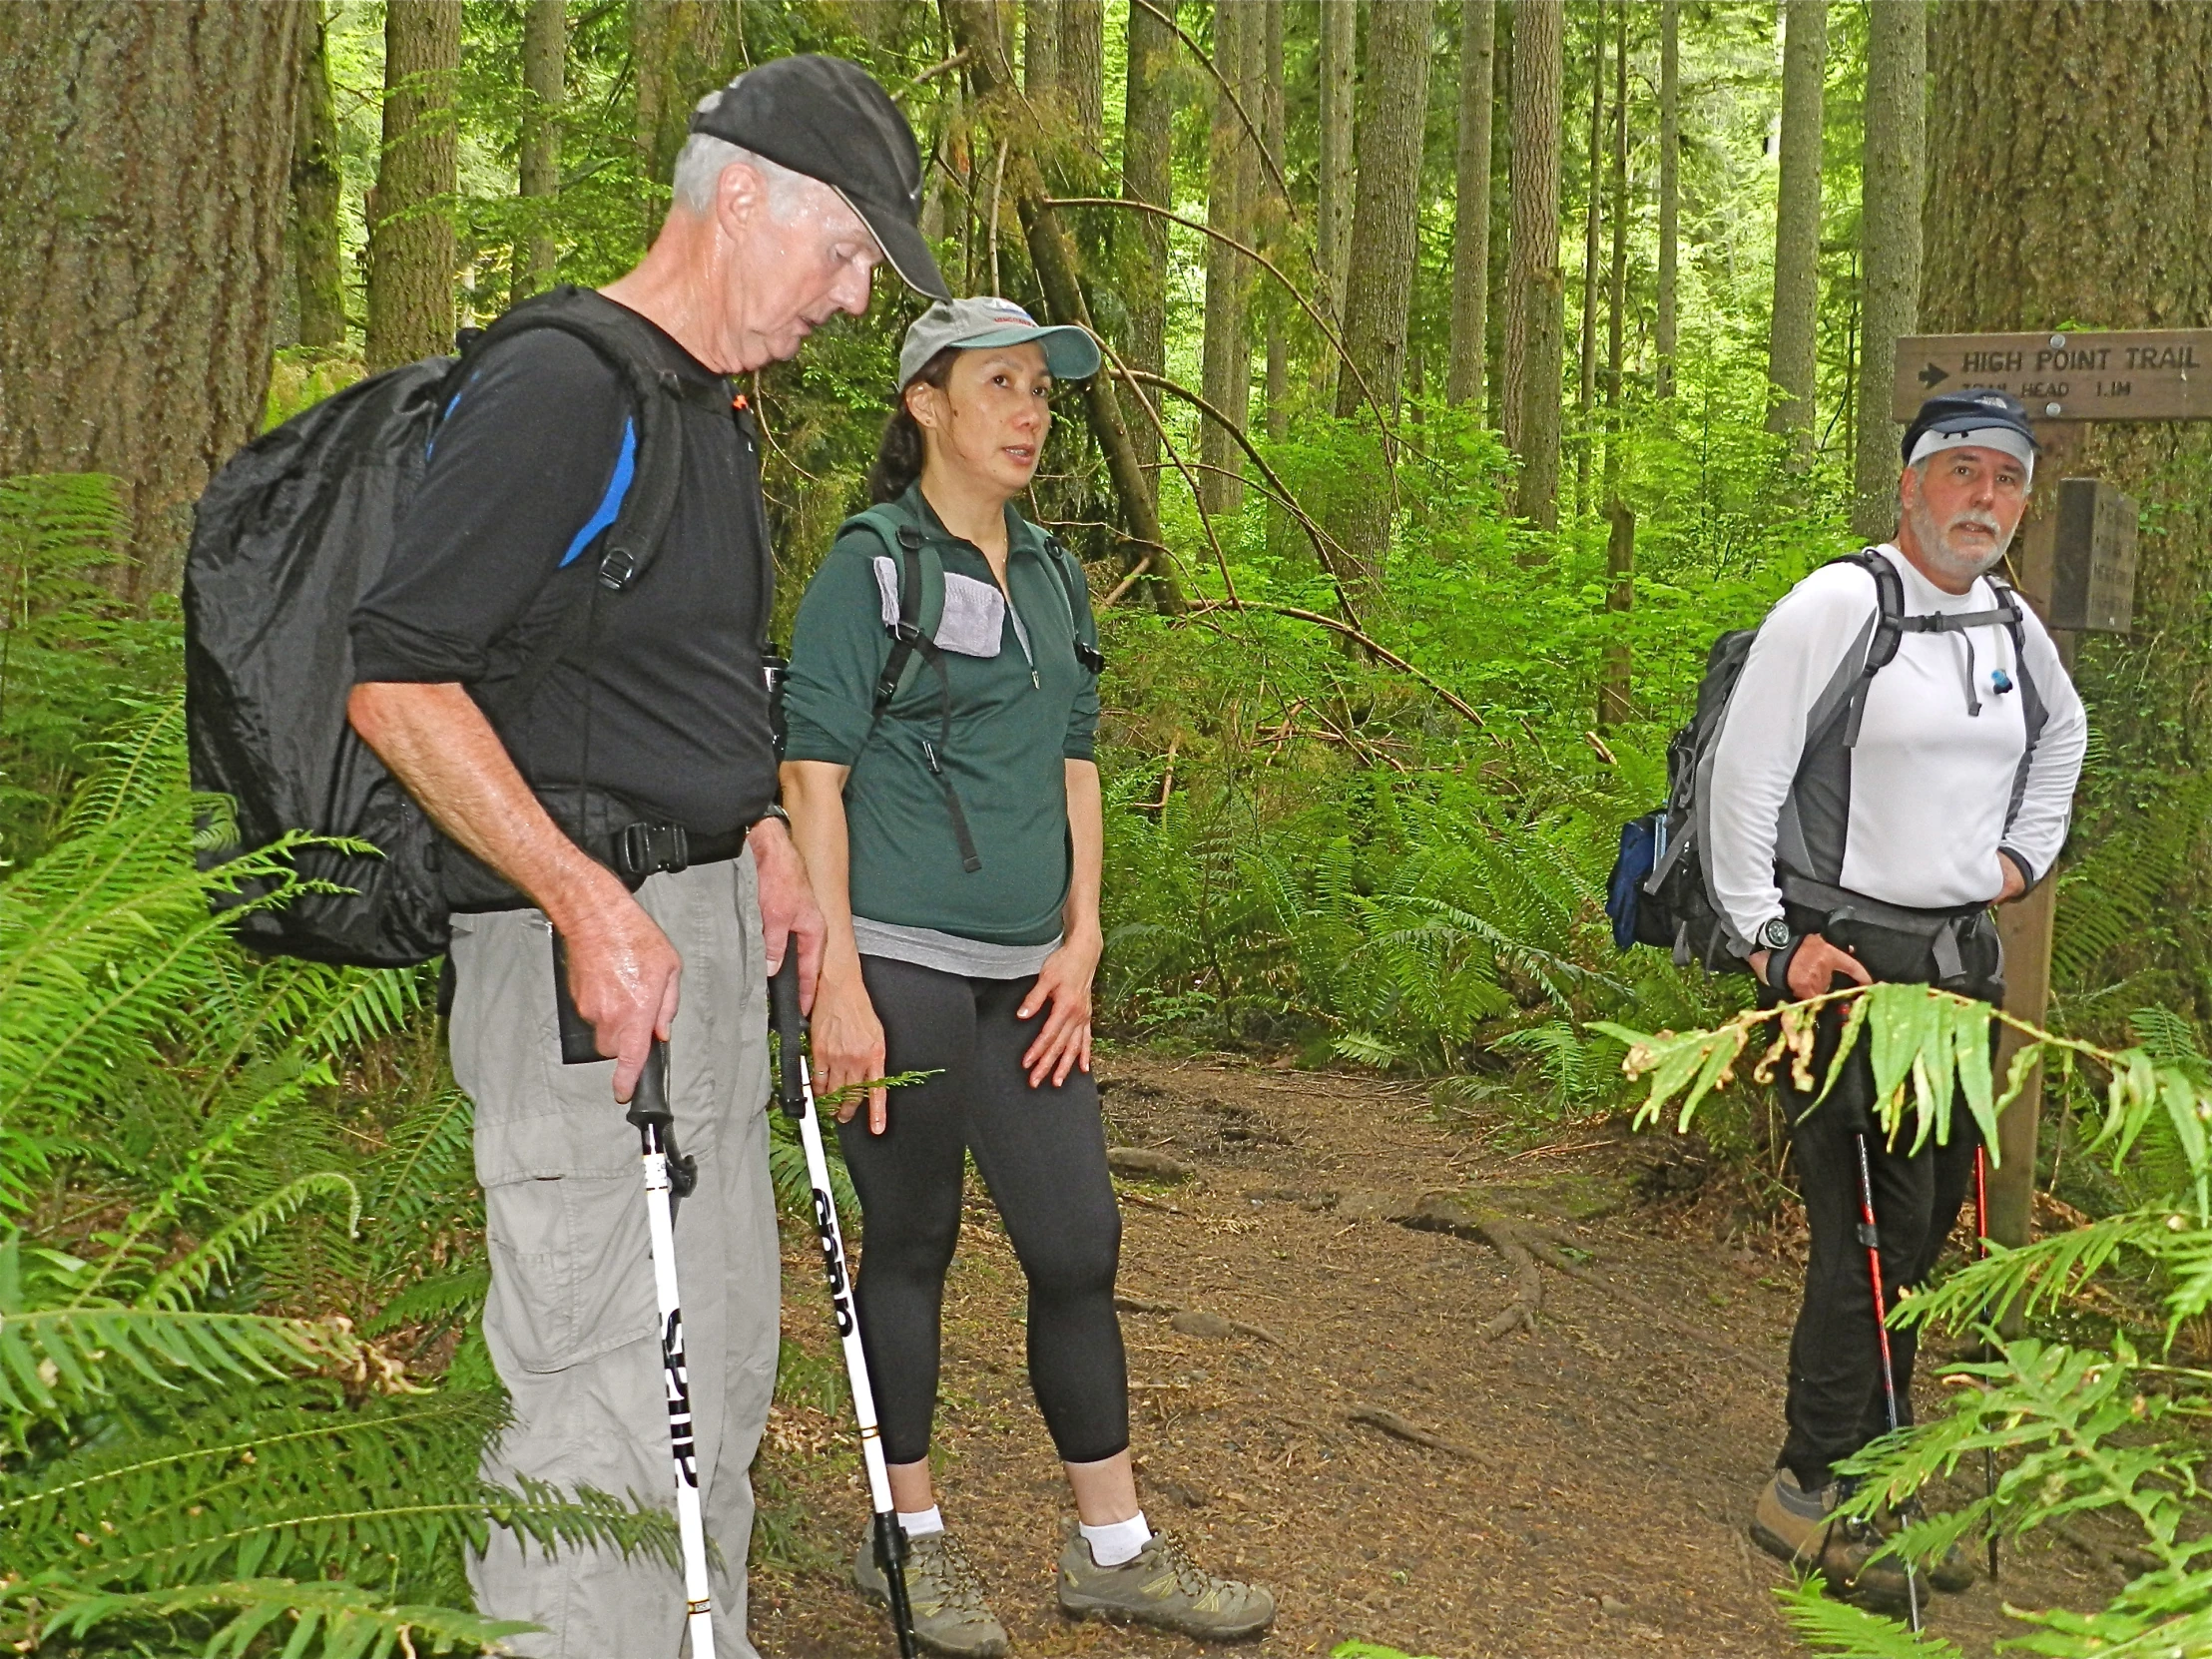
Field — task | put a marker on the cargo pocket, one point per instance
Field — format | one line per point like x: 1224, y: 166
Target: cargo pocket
x: 571, y: 1265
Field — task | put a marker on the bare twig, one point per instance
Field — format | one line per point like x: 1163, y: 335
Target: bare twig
x: 998, y: 179
x: 1457, y: 704
x: 1167, y: 778
x: 1383, y: 417
x: 934, y: 69
x: 1123, y: 373
x: 1326, y: 547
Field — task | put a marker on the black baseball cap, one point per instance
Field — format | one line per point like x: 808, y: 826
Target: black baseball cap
x: 828, y: 118
x: 1982, y: 415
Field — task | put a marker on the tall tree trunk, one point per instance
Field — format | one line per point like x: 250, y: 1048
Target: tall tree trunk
x: 1791, y: 362
x: 315, y: 187
x: 1147, y: 175
x: 975, y: 26
x: 1616, y: 292
x: 1339, y: 70
x: 1534, y: 292
x: 1083, y: 64
x: 680, y: 50
x: 1471, y: 219
x: 1394, y: 105
x: 2123, y: 137
x: 1501, y: 199
x: 1227, y: 352
x: 544, y: 90
x: 1277, y: 211
x: 1670, y: 187
x: 1586, y: 386
x: 1040, y: 47
x: 411, y: 223
x: 1890, y: 238
x: 144, y: 160
x: 1386, y: 225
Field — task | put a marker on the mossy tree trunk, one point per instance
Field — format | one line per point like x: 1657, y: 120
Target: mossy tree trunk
x: 680, y: 50
x: 411, y: 223
x: 1340, y: 77
x: 1471, y: 223
x: 1147, y: 175
x: 1536, y: 296
x: 145, y: 159
x: 1664, y: 324
x: 1226, y: 350
x: 316, y: 267
x: 2083, y: 197
x: 544, y: 90
x: 1790, y: 364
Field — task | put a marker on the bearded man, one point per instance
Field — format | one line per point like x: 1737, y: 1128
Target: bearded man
x: 1867, y: 811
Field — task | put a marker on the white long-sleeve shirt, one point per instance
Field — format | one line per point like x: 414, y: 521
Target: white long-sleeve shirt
x: 1917, y: 812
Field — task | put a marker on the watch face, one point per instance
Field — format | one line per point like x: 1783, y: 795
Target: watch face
x: 1776, y: 934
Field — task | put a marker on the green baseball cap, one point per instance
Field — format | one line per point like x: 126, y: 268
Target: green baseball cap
x: 970, y: 325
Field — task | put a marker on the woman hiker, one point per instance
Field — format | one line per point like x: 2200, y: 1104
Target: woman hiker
x: 942, y: 791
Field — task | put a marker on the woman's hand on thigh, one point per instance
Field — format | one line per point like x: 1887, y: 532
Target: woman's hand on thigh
x: 1065, y: 1042
x: 847, y: 1042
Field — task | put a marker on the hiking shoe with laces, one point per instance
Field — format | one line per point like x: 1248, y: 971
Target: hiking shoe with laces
x: 1163, y: 1588
x: 1952, y: 1572
x: 944, y: 1592
x: 1802, y: 1529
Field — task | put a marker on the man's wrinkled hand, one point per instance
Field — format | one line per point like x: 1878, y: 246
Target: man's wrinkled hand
x: 625, y: 977
x: 788, y: 913
x: 1815, y: 967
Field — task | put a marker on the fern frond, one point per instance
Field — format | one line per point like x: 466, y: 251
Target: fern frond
x: 334, y: 1620
x: 218, y: 1256
x: 1847, y: 1632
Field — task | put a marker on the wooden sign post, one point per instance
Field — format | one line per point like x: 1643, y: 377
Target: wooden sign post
x: 2074, y: 562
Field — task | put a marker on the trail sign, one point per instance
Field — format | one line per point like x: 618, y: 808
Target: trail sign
x: 2092, y: 586
x: 2129, y: 374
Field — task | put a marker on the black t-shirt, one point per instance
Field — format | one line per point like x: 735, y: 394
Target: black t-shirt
x: 524, y: 476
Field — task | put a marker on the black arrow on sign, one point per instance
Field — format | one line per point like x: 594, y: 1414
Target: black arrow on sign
x: 1933, y: 376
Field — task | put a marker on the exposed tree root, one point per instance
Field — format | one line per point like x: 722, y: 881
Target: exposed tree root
x: 1390, y: 1423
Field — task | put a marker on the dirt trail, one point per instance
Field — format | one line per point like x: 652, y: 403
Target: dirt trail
x: 1600, y: 1470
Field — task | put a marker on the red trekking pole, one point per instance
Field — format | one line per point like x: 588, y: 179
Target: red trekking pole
x: 1981, y: 1245
x: 1870, y: 1236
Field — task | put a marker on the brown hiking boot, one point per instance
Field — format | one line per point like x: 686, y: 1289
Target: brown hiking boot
x: 1161, y: 1586
x: 1802, y: 1529
x: 944, y: 1592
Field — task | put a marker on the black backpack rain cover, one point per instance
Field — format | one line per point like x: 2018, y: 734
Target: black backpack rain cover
x: 286, y: 540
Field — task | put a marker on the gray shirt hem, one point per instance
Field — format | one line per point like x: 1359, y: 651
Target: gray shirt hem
x: 950, y: 954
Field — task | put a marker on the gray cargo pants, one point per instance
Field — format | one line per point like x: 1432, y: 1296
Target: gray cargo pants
x: 571, y: 1320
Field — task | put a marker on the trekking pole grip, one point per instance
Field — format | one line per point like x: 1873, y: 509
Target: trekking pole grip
x: 649, y: 1100
x: 790, y: 1025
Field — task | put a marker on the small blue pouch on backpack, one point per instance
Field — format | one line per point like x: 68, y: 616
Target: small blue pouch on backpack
x: 1639, y: 852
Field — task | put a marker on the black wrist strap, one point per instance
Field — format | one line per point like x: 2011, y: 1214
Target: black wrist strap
x: 1778, y: 965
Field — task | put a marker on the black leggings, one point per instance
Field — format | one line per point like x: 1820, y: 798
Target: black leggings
x: 1042, y: 1153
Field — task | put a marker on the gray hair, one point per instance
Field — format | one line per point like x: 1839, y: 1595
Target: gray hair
x: 698, y: 168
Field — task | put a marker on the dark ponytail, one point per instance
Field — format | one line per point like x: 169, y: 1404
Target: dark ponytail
x: 900, y: 452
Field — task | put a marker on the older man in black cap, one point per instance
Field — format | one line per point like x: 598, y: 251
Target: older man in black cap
x: 1865, y: 814
x: 799, y: 179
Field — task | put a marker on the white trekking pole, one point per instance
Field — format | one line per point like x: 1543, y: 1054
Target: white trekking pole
x: 797, y: 1096
x: 667, y: 1177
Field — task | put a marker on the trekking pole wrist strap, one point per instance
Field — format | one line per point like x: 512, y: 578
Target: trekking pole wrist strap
x: 1778, y: 961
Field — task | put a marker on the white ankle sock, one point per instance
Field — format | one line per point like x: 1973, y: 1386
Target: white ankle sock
x: 922, y: 1522
x: 1112, y: 1545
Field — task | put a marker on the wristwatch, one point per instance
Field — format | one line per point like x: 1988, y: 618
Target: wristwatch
x: 1774, y: 933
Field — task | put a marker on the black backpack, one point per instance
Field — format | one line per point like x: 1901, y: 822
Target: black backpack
x: 1658, y: 893
x: 286, y: 540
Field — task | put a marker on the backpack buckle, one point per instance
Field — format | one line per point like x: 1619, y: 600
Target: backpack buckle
x: 642, y: 850
x: 617, y: 568
x: 1090, y: 657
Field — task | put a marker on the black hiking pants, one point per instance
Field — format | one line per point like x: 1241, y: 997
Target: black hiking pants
x: 1836, y: 1403
x: 1042, y: 1153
